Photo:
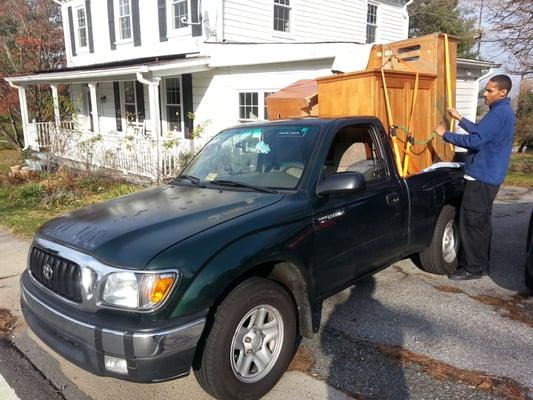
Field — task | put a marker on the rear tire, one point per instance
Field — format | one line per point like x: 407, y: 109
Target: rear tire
x: 250, y: 343
x: 440, y: 257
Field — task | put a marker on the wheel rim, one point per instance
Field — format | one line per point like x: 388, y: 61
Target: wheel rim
x: 256, y: 343
x: 450, y: 244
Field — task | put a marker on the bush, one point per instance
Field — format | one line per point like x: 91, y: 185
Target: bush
x: 29, y: 193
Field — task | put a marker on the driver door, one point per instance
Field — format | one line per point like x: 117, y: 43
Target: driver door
x: 357, y: 232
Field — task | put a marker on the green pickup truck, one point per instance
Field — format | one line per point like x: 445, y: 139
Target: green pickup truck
x: 222, y: 269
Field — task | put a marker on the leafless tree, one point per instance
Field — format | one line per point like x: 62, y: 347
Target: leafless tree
x: 509, y: 26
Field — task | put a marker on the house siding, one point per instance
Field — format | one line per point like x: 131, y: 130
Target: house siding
x: 242, y: 21
x: 392, y: 25
x: 215, y: 93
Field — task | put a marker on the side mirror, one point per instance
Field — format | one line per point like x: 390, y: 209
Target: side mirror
x: 340, y: 183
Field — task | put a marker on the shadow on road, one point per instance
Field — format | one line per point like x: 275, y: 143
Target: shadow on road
x: 360, y: 366
x: 509, y: 224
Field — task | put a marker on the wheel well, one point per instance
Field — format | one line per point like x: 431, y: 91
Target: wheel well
x: 291, y: 278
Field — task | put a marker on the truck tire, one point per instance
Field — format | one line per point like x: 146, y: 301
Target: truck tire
x: 250, y: 343
x: 440, y: 257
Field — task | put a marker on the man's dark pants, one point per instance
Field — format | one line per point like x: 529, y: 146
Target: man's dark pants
x: 475, y: 226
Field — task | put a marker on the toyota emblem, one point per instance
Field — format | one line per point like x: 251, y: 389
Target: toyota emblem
x: 48, y: 271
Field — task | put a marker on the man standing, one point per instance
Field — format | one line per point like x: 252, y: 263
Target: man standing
x: 489, y: 145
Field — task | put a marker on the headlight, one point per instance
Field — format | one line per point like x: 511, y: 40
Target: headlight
x: 141, y: 291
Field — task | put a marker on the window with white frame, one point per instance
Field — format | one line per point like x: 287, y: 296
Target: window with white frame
x: 265, y: 95
x: 124, y: 20
x: 81, y: 27
x: 180, y: 11
x: 173, y: 104
x: 371, y: 22
x: 252, y: 106
x: 282, y: 15
x: 130, y: 101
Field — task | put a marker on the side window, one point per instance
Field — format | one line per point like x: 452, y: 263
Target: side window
x: 371, y: 22
x: 282, y: 15
x: 354, y: 149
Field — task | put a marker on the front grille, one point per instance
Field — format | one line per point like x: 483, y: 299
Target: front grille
x: 56, y: 273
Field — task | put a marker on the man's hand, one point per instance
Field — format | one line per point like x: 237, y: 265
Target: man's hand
x: 454, y: 113
x: 441, y: 128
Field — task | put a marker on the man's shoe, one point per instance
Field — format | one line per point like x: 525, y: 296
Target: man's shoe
x: 463, y: 275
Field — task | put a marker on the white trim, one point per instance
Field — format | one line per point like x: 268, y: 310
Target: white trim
x: 290, y: 32
x: 163, y: 102
x: 185, y: 66
x: 123, y: 104
x: 177, y: 32
x: 118, y: 31
x: 261, y: 104
x: 80, y: 49
x: 376, y: 25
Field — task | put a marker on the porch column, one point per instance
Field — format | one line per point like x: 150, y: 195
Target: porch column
x: 55, y: 97
x: 153, y: 98
x: 29, y: 140
x: 94, y: 106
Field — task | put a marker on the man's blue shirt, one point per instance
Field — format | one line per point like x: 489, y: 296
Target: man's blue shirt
x: 489, y: 143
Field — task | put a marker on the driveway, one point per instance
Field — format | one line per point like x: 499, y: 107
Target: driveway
x: 401, y: 334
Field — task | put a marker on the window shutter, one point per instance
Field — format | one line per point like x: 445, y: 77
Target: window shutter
x: 136, y: 22
x: 111, y: 23
x: 139, y: 94
x: 162, y: 13
x: 89, y: 25
x: 186, y: 81
x: 118, y: 112
x: 196, y: 18
x: 71, y: 30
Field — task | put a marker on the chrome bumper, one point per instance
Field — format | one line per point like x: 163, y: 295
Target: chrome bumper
x: 150, y: 354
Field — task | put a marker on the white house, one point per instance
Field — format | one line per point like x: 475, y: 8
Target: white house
x: 139, y: 71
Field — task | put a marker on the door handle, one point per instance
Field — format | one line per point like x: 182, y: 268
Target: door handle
x: 392, y: 199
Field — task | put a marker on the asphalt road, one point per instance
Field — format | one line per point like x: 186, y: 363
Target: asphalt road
x: 401, y: 334
x: 407, y: 334
x: 20, y: 380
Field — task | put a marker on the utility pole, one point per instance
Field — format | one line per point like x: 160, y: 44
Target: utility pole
x: 479, y: 29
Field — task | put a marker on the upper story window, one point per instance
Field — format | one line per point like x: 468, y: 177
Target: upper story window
x: 180, y: 11
x: 124, y: 20
x: 81, y: 28
x: 282, y: 15
x: 371, y: 22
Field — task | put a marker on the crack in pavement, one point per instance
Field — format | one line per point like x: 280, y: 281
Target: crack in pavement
x: 513, y: 308
x: 9, y: 276
x: 501, y: 386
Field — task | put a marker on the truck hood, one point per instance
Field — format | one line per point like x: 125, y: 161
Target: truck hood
x: 129, y: 231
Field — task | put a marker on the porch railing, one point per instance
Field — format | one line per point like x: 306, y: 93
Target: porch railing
x: 141, y: 155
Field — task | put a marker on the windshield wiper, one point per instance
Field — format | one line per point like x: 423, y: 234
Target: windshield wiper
x: 193, y: 179
x: 223, y: 182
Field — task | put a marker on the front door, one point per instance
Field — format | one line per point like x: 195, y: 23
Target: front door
x: 358, y: 232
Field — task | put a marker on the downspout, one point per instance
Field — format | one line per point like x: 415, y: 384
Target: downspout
x: 153, y: 91
x: 405, y: 14
x: 220, y: 25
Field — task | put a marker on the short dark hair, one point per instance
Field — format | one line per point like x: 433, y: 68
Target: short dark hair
x: 503, y: 82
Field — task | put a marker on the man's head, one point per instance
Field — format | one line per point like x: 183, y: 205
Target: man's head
x: 497, y: 88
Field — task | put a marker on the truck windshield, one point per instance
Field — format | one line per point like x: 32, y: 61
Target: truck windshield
x: 264, y: 156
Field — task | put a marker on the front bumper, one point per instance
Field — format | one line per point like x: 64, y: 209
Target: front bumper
x: 152, y: 353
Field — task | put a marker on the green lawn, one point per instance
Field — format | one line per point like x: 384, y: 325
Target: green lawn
x: 520, y: 170
x: 8, y: 158
x: 25, y: 205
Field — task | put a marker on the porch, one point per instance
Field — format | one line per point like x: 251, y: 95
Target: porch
x: 141, y: 155
x: 136, y: 119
